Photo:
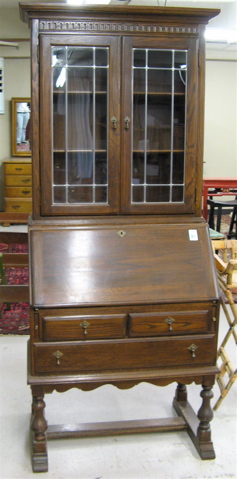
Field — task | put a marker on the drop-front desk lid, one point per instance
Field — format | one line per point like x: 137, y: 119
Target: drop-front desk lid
x: 128, y: 264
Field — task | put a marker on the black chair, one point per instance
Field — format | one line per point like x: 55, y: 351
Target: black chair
x: 220, y: 205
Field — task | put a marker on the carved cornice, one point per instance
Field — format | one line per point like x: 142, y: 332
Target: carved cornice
x: 73, y: 26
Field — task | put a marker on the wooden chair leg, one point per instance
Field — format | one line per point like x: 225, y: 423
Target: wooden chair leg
x: 233, y: 222
x: 219, y: 214
x: 211, y: 217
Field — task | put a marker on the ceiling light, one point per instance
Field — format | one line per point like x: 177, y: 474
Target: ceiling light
x: 88, y: 2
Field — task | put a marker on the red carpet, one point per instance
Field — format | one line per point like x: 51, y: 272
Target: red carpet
x: 14, y: 317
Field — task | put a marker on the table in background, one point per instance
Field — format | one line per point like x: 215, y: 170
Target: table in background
x: 221, y: 187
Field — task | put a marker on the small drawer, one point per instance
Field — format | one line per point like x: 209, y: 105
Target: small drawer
x: 170, y: 322
x: 18, y: 169
x: 18, y: 192
x: 81, y: 357
x: 18, y: 206
x: 69, y: 328
x: 21, y: 180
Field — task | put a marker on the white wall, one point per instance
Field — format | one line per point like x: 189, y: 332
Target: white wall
x: 220, y: 140
x: 16, y: 76
x: 17, y: 84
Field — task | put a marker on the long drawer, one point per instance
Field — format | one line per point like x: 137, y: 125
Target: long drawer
x: 18, y: 168
x: 175, y: 322
x: 66, y: 328
x: 78, y: 357
x: 18, y: 180
x: 15, y: 205
x: 18, y: 191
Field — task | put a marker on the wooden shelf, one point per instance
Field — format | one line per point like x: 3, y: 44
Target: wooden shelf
x: 7, y: 219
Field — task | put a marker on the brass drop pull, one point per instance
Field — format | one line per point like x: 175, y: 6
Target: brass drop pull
x: 169, y: 321
x: 58, y: 355
x: 16, y: 207
x: 127, y: 121
x: 18, y: 169
x: 114, y: 121
x: 26, y: 180
x: 85, y: 325
x: 26, y: 192
x: 193, y: 348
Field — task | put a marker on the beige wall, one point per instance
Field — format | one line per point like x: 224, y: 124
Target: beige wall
x: 16, y: 76
x: 220, y: 140
x: 17, y: 84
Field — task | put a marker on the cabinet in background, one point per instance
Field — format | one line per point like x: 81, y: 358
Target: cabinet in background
x: 17, y: 191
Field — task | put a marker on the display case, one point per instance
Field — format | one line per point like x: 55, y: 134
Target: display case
x: 88, y: 142
x: 123, y: 286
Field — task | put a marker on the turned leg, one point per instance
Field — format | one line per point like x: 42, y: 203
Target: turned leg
x: 181, y: 392
x: 198, y: 426
x: 38, y: 430
x: 205, y: 415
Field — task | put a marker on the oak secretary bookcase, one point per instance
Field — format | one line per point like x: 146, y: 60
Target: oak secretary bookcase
x: 123, y: 285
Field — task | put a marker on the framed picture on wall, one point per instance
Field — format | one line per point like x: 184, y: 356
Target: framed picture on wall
x: 21, y: 118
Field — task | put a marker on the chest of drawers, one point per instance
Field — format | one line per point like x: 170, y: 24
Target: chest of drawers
x: 69, y: 341
x: 18, y: 186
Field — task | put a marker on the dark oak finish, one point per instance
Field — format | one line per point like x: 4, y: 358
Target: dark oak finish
x: 123, y: 286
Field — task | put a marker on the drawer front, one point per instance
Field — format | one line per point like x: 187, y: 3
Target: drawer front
x: 84, y: 356
x: 68, y: 328
x: 18, y: 192
x: 21, y: 180
x: 18, y: 206
x: 18, y: 169
x: 170, y: 322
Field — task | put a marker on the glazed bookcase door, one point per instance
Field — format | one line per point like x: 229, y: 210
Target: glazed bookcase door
x: 159, y: 123
x: 79, y: 128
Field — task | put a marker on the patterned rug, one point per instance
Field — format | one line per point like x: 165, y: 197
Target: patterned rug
x: 14, y: 317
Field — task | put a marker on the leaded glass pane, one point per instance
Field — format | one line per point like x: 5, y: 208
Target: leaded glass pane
x: 159, y: 116
x: 80, y: 117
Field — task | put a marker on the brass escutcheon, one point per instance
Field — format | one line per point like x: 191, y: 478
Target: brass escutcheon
x: 114, y: 122
x: 169, y: 321
x: 193, y: 348
x: 85, y: 325
x: 127, y: 121
x: 121, y: 233
x: 58, y: 355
